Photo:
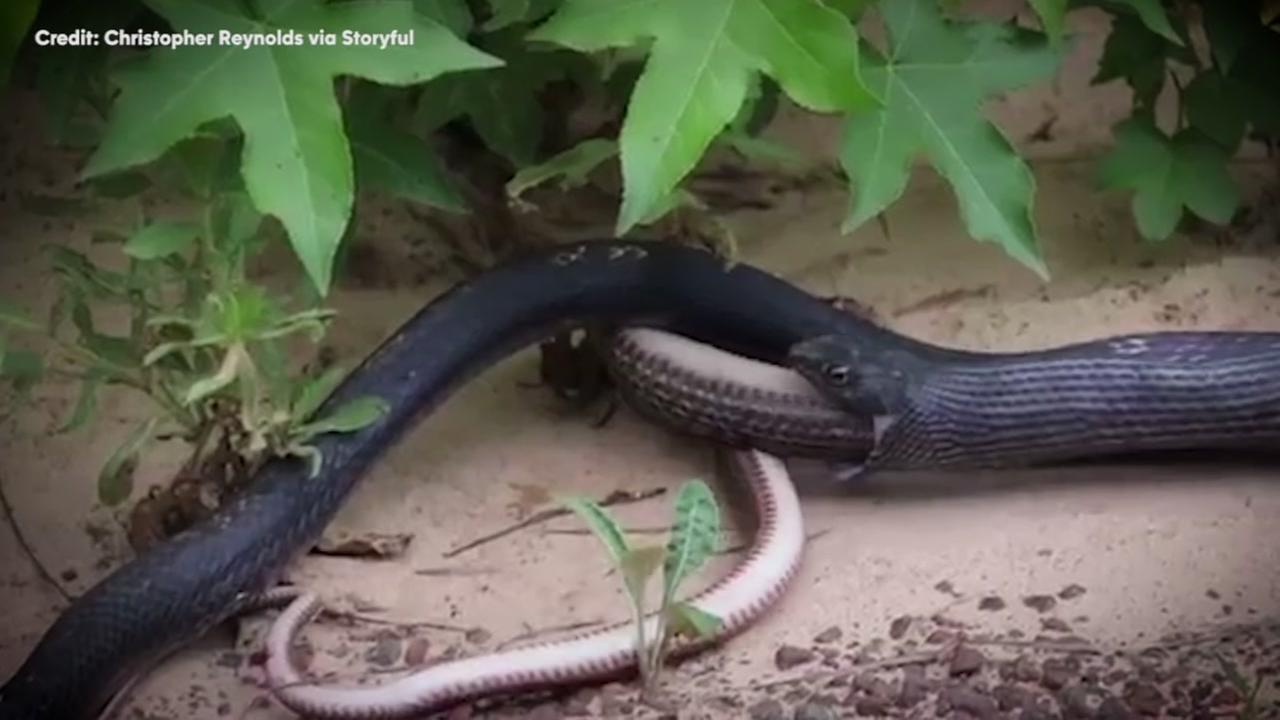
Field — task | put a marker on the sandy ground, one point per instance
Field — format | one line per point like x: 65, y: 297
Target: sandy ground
x: 1106, y: 582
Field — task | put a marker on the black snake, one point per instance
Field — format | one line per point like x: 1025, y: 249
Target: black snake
x: 171, y: 594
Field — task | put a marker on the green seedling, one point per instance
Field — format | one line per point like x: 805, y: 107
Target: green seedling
x: 694, y: 537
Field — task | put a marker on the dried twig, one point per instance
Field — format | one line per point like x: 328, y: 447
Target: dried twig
x: 569, y: 627
x: 617, y: 497
x: 26, y: 548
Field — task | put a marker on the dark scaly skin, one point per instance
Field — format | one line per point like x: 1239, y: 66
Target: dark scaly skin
x: 171, y: 594
x: 1118, y: 396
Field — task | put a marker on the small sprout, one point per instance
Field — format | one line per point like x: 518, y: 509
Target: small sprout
x: 694, y: 537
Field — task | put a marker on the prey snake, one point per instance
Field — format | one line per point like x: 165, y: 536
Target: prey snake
x: 171, y: 594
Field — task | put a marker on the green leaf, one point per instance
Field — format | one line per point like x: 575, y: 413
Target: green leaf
x: 504, y: 13
x: 1167, y: 174
x: 501, y: 104
x: 692, y: 622
x: 14, y: 316
x: 353, y: 415
x: 638, y: 567
x: 571, y: 167
x: 115, y: 480
x: 86, y: 403
x: 1052, y: 14
x: 1215, y: 107
x: 602, y: 524
x: 1136, y: 55
x: 452, y: 14
x: 395, y: 160
x: 694, y: 536
x: 701, y: 61
x: 314, y: 392
x: 1152, y: 15
x: 226, y: 374
x: 161, y: 239
x: 1228, y: 25
x: 16, y: 17
x: 297, y: 163
x: 765, y: 151
x: 934, y: 81
x: 853, y: 9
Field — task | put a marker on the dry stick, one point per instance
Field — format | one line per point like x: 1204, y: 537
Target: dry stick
x: 26, y: 548
x: 614, y: 498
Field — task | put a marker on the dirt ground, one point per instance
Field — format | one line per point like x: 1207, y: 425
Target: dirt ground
x: 1079, y: 592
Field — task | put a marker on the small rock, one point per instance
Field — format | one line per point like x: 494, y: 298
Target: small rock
x: 814, y: 710
x: 229, y: 660
x: 1040, y: 603
x: 1144, y: 698
x: 385, y: 652
x: 871, y: 706
x: 478, y: 636
x: 1080, y: 702
x: 991, y: 603
x: 767, y: 710
x: 416, y: 653
x: 945, y: 586
x: 1009, y: 697
x: 830, y: 635
x: 1026, y: 669
x: 789, y: 656
x: 1055, y: 674
x: 915, y: 686
x: 1114, y: 709
x: 970, y: 701
x: 966, y: 661
x: 1071, y: 592
x: 1055, y: 625
x: 899, y: 627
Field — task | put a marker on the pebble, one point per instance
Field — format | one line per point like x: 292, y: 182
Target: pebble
x: 1081, y: 702
x: 915, y: 686
x: 416, y: 653
x: 991, y: 603
x: 1040, y: 603
x: 385, y: 652
x: 966, y: 661
x: 1144, y: 698
x: 789, y: 656
x: 1071, y: 592
x: 1055, y: 625
x: 830, y: 635
x: 899, y: 627
x: 1055, y: 674
x: 970, y: 701
x: 767, y: 710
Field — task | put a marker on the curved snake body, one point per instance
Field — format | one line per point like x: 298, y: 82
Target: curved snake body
x: 171, y: 594
x: 179, y: 589
x: 737, y: 599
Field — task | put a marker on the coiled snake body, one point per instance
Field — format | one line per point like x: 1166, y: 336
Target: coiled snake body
x: 166, y: 597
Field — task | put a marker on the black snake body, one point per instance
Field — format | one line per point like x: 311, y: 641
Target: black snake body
x: 166, y: 597
x: 1116, y: 396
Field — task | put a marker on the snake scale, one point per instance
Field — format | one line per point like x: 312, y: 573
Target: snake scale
x: 171, y: 594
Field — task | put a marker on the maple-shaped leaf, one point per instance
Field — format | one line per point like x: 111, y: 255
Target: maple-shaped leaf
x: 391, y: 159
x: 297, y: 163
x: 1167, y: 174
x: 933, y: 80
x: 702, y: 56
x: 500, y: 103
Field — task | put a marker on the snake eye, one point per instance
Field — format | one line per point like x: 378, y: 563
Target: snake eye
x: 837, y: 374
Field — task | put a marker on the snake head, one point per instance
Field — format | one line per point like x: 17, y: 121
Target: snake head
x: 863, y: 381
